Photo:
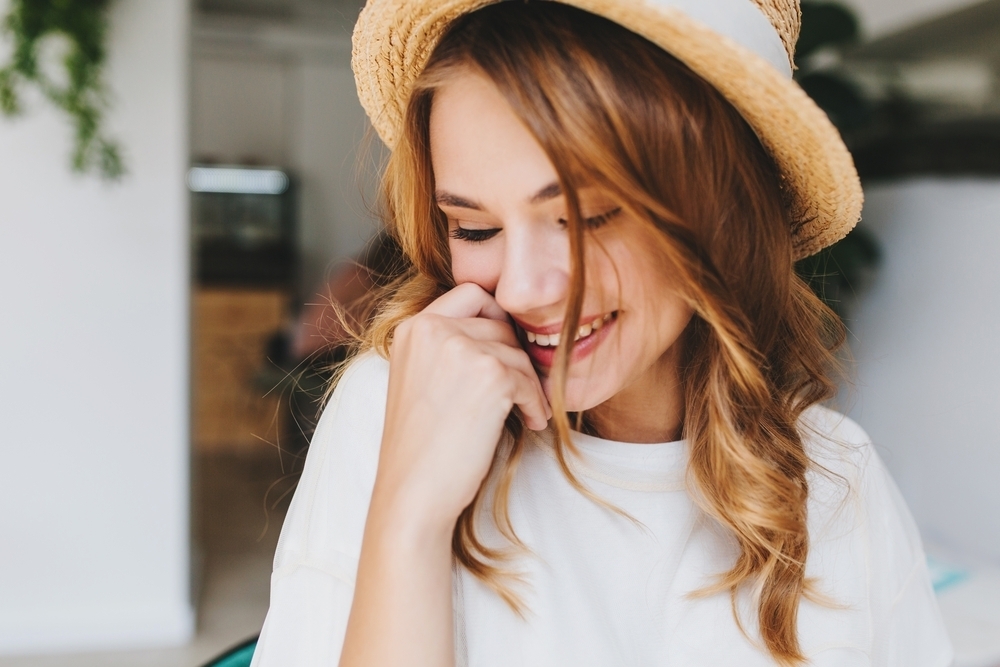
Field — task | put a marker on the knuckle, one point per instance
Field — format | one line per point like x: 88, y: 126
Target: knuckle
x: 403, y: 330
x: 422, y: 327
x: 470, y: 287
x: 419, y: 323
x: 490, y: 369
x: 456, y: 346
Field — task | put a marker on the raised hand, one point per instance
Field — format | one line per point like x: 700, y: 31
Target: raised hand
x: 456, y: 372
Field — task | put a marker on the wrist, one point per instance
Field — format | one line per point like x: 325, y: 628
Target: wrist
x: 409, y: 515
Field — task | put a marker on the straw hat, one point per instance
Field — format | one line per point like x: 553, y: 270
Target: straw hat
x: 744, y: 48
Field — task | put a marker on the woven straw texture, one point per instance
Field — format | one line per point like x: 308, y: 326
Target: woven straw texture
x: 393, y: 40
x: 786, y: 17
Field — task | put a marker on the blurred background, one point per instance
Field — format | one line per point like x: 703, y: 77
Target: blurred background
x: 166, y: 262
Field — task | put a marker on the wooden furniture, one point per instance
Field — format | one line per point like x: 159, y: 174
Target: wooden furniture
x: 231, y: 329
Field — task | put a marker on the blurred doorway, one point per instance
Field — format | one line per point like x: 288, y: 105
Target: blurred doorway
x: 276, y: 202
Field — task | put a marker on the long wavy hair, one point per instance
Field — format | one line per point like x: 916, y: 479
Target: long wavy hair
x: 613, y: 110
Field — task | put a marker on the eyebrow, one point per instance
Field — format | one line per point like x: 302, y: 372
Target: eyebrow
x: 447, y: 199
x: 550, y: 191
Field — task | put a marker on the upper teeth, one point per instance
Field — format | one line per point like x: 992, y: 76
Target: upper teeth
x: 552, y: 340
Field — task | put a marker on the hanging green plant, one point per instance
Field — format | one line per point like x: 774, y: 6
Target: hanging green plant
x: 83, y: 95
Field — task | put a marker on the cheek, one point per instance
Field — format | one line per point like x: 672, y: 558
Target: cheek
x: 666, y: 312
x: 656, y: 292
x: 632, y: 277
x: 605, y: 283
x: 476, y: 263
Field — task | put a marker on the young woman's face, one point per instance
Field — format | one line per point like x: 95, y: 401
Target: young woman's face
x: 507, y: 233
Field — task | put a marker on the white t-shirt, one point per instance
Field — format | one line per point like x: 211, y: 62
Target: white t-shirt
x: 602, y: 590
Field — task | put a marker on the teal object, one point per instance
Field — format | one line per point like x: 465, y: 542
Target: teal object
x: 945, y: 575
x: 238, y: 656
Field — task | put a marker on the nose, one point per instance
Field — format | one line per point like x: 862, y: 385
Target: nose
x: 534, y: 275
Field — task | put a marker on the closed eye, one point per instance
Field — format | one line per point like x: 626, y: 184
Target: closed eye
x: 596, y: 221
x: 483, y: 235
x: 473, y: 235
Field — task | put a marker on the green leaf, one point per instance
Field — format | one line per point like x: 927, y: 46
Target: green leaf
x: 84, y: 23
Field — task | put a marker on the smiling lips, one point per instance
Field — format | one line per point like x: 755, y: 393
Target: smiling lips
x: 541, y: 347
x: 552, y: 340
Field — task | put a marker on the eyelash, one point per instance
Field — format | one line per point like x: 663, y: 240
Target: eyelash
x: 482, y: 235
x: 597, y: 220
x: 473, y: 235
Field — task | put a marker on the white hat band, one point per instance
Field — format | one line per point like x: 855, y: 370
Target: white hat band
x: 741, y: 21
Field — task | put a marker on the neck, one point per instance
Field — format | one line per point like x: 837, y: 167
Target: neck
x: 650, y: 410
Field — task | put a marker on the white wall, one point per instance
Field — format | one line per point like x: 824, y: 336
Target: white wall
x: 879, y: 17
x: 928, y: 351
x: 285, y: 96
x: 256, y: 94
x: 336, y: 190
x: 93, y: 361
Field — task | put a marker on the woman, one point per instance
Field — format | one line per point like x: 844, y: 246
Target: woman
x: 586, y: 430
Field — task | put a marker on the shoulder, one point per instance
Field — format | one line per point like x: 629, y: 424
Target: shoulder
x: 316, y: 562
x: 865, y: 552
x: 351, y: 424
x: 365, y: 377
x: 847, y: 475
x: 840, y: 451
x: 328, y: 510
x: 827, y: 432
x: 858, y: 519
x: 854, y: 503
x: 356, y: 409
x: 358, y: 399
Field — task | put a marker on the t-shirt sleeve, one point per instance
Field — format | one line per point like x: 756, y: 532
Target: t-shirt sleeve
x: 907, y: 627
x: 316, y: 561
x: 868, y: 558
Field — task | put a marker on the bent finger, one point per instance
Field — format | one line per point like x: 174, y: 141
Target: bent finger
x: 488, y: 330
x: 529, y: 397
x: 527, y: 388
x: 468, y: 300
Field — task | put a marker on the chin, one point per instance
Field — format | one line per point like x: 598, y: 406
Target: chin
x: 581, y: 393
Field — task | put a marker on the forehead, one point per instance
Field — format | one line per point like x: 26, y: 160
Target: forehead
x: 479, y: 147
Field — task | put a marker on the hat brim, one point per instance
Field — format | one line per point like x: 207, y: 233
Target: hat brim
x: 394, y: 39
